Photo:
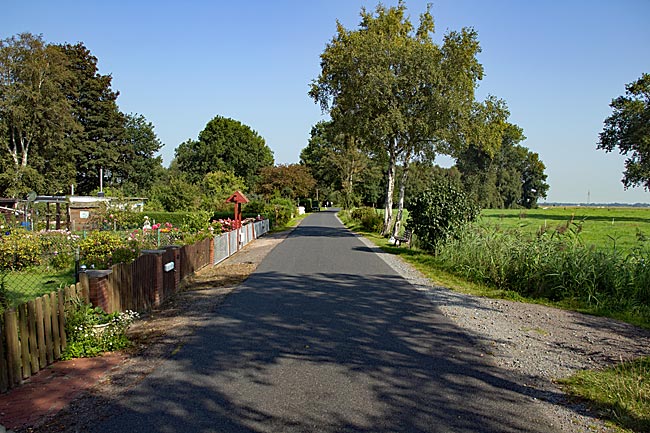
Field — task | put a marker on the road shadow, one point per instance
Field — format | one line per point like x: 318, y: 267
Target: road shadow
x: 328, y: 353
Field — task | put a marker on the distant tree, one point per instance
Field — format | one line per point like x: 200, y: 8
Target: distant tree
x: 534, y: 184
x: 397, y: 90
x: 35, y: 116
x: 425, y: 175
x: 217, y: 186
x: 290, y: 181
x: 100, y: 143
x: 140, y: 165
x: 318, y: 157
x: 340, y: 164
x: 512, y: 177
x: 224, y: 145
x: 628, y: 129
x: 175, y: 193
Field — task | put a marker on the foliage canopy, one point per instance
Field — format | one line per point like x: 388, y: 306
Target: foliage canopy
x: 628, y: 129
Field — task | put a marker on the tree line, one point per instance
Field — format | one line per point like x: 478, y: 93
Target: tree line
x: 396, y: 99
x: 60, y: 124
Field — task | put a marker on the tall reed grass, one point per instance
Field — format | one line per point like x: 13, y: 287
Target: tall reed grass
x: 555, y: 266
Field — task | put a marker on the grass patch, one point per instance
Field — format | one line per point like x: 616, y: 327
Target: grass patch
x: 289, y: 224
x: 620, y: 394
x: 31, y: 283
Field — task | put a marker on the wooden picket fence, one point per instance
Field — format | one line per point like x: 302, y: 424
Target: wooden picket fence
x: 32, y: 336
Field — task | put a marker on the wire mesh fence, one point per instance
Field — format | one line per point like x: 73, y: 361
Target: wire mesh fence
x: 32, y: 264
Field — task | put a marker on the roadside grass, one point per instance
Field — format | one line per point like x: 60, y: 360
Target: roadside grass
x: 289, y: 224
x: 620, y: 394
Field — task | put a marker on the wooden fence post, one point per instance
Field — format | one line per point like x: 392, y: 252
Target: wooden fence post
x: 13, y: 348
x: 4, y: 379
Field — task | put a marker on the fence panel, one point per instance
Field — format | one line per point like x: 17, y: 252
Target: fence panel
x: 233, y: 237
x: 194, y: 257
x: 249, y: 233
x: 221, y: 248
x: 169, y: 278
x: 4, y: 379
x: 33, y: 336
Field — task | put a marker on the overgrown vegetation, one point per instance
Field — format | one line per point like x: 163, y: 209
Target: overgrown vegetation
x: 556, y: 267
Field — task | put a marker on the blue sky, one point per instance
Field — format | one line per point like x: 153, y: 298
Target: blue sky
x: 557, y: 64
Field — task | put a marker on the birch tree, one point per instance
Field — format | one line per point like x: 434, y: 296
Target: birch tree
x: 403, y: 94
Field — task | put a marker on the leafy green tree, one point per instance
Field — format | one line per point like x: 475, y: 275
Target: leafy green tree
x: 101, y: 141
x: 318, y: 157
x: 425, y: 175
x: 343, y: 169
x: 534, y: 184
x: 628, y: 129
x: 513, y: 177
x: 35, y: 116
x: 223, y: 145
x: 175, y: 193
x: 140, y: 165
x: 290, y: 181
x: 217, y: 186
x: 403, y: 94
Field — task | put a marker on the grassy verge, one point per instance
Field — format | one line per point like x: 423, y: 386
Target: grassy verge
x: 620, y: 394
x: 289, y: 224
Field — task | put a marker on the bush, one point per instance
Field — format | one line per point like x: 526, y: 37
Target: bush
x: 98, y: 248
x: 440, y: 214
x: 281, y: 210
x: 59, y: 248
x: 19, y: 249
x: 369, y: 219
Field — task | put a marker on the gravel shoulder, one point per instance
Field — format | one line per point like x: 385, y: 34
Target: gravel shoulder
x: 539, y: 343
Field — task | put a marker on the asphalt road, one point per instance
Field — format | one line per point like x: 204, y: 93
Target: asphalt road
x: 326, y: 337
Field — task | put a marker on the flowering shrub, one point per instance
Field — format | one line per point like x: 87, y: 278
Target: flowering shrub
x: 226, y: 224
x: 98, y: 248
x: 19, y: 249
x: 90, y: 331
x: 156, y: 236
x: 59, y: 247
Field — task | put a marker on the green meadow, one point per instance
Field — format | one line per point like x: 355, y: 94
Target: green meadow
x: 603, y: 227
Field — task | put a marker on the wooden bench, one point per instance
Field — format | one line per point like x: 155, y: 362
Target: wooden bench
x: 404, y: 239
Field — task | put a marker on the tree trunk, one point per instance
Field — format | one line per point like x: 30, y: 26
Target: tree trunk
x: 390, y: 187
x: 402, y: 191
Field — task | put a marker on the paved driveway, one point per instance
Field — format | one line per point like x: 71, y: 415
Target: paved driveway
x: 326, y: 337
